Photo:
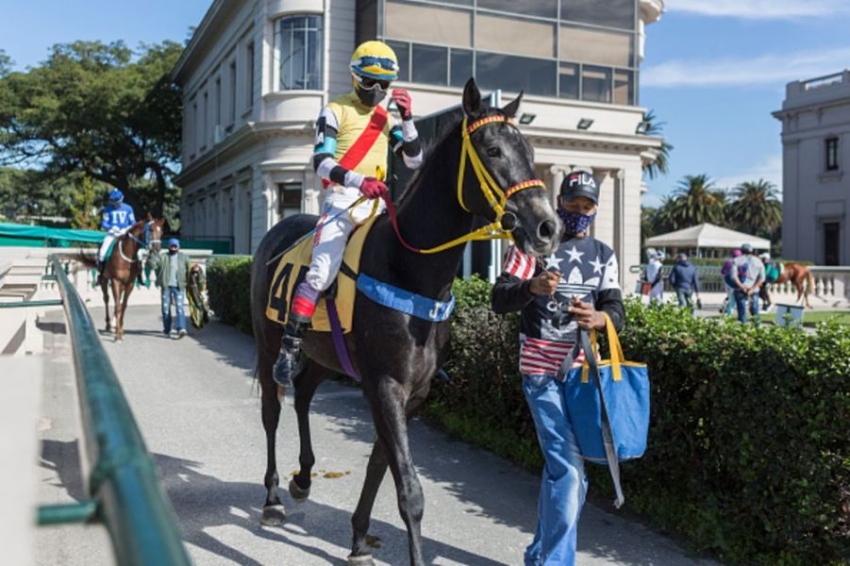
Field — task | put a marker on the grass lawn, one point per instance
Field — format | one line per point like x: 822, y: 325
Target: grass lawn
x: 811, y: 318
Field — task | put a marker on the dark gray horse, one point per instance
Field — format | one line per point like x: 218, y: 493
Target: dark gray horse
x: 396, y: 354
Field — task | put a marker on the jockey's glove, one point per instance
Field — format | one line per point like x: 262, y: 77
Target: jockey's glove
x: 372, y: 187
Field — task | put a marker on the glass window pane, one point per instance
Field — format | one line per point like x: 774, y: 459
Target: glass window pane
x: 595, y: 84
x: 428, y: 24
x: 542, y: 8
x: 534, y: 76
x: 299, y: 48
x: 611, y: 13
x: 461, y: 67
x: 518, y: 36
x: 585, y: 45
x: 402, y: 53
x: 624, y: 87
x: 568, y: 81
x: 430, y: 65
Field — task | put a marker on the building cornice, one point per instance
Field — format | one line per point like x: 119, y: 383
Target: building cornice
x: 562, y: 139
x: 651, y: 10
x: 218, y: 10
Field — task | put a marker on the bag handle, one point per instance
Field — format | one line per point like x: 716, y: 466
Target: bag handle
x: 617, y: 357
x: 588, y: 343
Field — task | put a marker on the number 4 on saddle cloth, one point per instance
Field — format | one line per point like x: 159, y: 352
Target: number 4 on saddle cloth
x: 292, y: 268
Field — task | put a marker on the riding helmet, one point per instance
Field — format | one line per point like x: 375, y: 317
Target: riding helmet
x: 580, y: 183
x: 116, y: 196
x: 376, y: 60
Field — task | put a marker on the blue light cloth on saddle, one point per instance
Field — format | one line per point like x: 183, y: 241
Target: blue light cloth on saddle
x: 405, y: 301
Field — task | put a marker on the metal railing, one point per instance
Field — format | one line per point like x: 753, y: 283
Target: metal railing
x: 123, y: 483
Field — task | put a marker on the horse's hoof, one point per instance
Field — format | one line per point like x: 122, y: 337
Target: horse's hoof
x: 298, y: 494
x: 273, y: 516
x: 362, y: 560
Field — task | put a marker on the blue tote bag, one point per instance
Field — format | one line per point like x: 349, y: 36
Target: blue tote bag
x: 608, y: 404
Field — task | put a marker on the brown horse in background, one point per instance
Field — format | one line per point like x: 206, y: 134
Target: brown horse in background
x: 123, y: 267
x: 800, y: 276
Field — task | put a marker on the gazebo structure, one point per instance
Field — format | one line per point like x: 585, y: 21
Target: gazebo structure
x: 706, y: 240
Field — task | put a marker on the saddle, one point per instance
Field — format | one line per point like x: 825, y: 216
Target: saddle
x: 291, y: 269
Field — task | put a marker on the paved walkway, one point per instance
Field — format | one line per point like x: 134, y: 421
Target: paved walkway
x: 197, y: 406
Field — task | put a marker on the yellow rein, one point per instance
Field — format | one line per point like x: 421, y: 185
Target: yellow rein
x: 492, y: 192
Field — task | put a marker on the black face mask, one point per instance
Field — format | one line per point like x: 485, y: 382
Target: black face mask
x: 171, y: 252
x: 371, y: 98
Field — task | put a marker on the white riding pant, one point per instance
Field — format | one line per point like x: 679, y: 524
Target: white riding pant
x: 333, y: 229
x: 107, y: 241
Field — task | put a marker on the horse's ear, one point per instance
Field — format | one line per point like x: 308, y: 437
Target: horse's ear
x: 512, y: 107
x: 471, y: 98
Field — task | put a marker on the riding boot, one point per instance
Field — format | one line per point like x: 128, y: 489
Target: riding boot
x: 286, y: 365
x: 303, y: 307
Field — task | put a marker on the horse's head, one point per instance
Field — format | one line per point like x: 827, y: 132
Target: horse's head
x: 155, y: 230
x: 499, y: 182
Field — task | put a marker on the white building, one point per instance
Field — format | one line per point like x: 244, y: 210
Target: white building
x: 815, y: 120
x: 257, y: 72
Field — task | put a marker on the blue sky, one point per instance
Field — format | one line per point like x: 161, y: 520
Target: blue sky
x: 713, y: 73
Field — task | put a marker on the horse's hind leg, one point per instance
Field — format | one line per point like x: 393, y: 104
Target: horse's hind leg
x: 108, y: 315
x: 273, y: 511
x: 306, y: 382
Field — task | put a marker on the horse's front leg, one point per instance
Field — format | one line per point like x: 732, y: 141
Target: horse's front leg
x: 125, y: 297
x: 116, y: 298
x: 361, y: 553
x: 306, y: 381
x: 389, y: 414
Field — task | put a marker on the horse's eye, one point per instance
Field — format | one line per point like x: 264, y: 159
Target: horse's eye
x: 494, y: 152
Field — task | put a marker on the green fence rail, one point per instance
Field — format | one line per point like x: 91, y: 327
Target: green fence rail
x: 123, y: 483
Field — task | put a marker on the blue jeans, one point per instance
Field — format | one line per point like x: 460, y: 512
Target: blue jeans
x: 172, y: 295
x: 564, y: 484
x: 741, y: 300
x: 684, y: 297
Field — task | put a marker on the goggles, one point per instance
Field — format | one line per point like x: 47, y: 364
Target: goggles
x: 368, y: 83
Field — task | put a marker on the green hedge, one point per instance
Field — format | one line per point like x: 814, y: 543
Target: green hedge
x: 229, y: 288
x: 748, y: 454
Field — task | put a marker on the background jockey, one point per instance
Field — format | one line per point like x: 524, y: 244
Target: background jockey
x: 352, y: 137
x: 117, y: 218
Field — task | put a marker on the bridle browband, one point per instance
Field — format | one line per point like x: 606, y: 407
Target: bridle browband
x: 147, y: 243
x: 493, y: 193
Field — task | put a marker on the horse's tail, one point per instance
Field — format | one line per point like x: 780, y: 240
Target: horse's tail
x: 86, y: 259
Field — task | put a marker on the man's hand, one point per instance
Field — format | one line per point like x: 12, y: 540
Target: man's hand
x: 545, y: 284
x: 402, y: 100
x: 372, y: 188
x: 586, y: 315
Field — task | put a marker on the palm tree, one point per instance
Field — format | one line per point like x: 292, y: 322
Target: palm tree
x: 696, y: 201
x: 756, y: 208
x: 658, y: 166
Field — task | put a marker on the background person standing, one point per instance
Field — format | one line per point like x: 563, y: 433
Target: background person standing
x: 685, y: 281
x: 172, y: 270
x: 747, y: 278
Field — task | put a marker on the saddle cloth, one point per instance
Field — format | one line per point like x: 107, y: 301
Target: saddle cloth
x: 291, y: 269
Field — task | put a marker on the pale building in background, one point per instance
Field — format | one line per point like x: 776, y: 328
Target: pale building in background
x: 256, y: 74
x: 815, y: 120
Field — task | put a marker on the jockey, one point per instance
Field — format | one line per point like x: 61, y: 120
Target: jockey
x: 352, y: 136
x: 117, y: 218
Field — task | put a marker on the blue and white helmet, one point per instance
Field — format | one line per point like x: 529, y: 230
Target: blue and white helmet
x: 116, y: 196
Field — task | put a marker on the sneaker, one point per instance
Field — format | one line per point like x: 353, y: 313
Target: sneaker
x: 167, y: 333
x: 181, y: 333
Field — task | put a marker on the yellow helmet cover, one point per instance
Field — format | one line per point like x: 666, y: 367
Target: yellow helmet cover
x: 376, y: 60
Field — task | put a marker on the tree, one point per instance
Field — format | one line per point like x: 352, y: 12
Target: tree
x: 652, y: 169
x: 695, y: 201
x: 84, y: 210
x: 97, y: 109
x: 755, y: 208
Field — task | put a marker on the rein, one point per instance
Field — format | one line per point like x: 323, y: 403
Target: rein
x: 494, y: 194
x: 143, y: 244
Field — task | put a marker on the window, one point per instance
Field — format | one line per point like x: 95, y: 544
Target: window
x: 568, y: 83
x: 831, y: 154
x: 288, y: 199
x: 513, y: 74
x: 218, y: 102
x: 610, y: 13
x: 402, y: 53
x: 205, y: 116
x: 460, y: 67
x: 233, y: 82
x: 624, y: 87
x: 249, y: 65
x: 299, y: 50
x: 595, y: 83
x: 541, y: 8
x: 831, y: 239
x: 430, y: 65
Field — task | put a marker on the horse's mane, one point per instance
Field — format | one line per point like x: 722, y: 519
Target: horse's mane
x: 430, y: 146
